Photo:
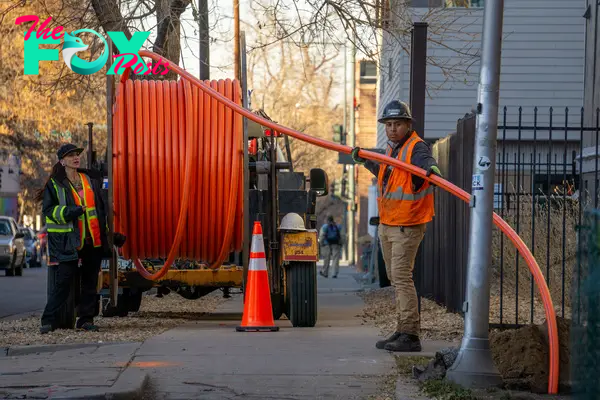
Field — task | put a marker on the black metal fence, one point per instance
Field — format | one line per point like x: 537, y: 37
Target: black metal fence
x: 546, y: 176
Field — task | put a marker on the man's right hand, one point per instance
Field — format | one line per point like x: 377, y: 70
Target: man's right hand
x: 357, y: 159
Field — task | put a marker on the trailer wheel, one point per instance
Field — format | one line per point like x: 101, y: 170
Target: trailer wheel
x: 134, y: 301
x: 302, y: 293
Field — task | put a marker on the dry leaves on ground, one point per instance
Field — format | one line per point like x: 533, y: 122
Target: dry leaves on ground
x: 156, y: 315
x: 436, y: 322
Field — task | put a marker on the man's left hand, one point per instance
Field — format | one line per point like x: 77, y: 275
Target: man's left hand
x: 434, y: 170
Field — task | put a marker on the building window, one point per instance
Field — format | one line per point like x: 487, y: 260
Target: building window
x: 389, y: 70
x: 464, y: 3
x: 368, y: 72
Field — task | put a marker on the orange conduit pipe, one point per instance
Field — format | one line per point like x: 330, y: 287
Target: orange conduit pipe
x: 175, y: 146
x: 440, y: 182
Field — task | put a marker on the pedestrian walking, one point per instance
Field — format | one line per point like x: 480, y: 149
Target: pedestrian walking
x: 405, y: 205
x: 75, y: 216
x: 331, y: 240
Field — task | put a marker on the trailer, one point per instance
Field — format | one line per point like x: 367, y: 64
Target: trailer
x: 282, y: 199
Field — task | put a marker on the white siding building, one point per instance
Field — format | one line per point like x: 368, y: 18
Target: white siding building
x: 543, y: 59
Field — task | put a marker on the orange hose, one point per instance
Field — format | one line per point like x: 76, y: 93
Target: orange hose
x: 239, y: 111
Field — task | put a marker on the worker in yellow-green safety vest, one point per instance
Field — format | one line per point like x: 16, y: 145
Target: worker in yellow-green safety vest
x: 75, y: 216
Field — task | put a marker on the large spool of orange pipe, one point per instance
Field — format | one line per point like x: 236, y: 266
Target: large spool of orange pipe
x: 177, y: 172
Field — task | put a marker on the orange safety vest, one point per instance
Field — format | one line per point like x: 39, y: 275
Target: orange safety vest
x: 400, y: 205
x: 90, y: 213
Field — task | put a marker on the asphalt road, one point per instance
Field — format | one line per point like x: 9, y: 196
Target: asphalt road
x: 23, y: 294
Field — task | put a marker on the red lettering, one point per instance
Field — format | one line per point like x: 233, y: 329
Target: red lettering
x: 165, y: 69
x: 56, y: 30
x: 139, y: 68
x: 129, y: 63
x: 149, y: 70
x: 28, y: 18
x: 43, y: 30
x: 156, y: 68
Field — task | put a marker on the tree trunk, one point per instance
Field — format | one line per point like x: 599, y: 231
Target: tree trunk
x: 168, y: 36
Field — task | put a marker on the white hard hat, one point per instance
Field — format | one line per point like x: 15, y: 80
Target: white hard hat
x: 292, y: 222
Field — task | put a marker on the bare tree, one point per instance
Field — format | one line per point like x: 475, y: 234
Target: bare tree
x: 363, y: 24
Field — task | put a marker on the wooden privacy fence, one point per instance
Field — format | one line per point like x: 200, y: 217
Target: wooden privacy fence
x: 441, y: 264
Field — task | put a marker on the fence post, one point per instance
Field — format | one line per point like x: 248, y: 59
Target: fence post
x: 474, y: 366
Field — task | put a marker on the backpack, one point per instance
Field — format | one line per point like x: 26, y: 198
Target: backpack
x: 333, y: 234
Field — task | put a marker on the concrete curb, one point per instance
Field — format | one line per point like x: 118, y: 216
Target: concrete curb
x: 52, y: 348
x: 132, y: 384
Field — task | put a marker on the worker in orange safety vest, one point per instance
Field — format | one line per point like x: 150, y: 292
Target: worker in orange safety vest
x: 405, y: 204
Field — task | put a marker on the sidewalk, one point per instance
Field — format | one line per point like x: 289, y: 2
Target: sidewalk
x: 89, y: 371
x: 208, y: 359
x: 336, y: 359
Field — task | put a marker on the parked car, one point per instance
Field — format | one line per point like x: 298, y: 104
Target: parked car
x: 12, y: 247
x: 33, y: 248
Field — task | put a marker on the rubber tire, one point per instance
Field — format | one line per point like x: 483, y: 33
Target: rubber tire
x: 134, y: 302
x: 302, y: 294
x: 11, y: 271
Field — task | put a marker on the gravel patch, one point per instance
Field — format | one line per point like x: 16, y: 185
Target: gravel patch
x: 156, y: 316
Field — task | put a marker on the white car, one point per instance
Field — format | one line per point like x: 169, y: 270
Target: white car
x: 12, y: 247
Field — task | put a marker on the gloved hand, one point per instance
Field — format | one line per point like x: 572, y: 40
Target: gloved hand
x: 357, y: 159
x: 434, y: 170
x: 119, y: 239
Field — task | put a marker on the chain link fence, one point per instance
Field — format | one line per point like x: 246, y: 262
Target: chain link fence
x: 585, y: 326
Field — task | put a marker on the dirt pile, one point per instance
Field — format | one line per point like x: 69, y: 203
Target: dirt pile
x: 522, y: 356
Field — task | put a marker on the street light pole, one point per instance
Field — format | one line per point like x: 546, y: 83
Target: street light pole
x: 474, y: 366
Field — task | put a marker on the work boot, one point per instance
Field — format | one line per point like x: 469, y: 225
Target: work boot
x: 404, y: 342
x: 46, y: 329
x: 381, y: 344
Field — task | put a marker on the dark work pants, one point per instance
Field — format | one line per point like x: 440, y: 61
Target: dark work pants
x: 91, y: 260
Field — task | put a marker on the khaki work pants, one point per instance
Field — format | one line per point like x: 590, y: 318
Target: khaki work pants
x: 399, y: 246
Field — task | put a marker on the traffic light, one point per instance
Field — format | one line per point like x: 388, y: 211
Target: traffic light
x: 338, y: 134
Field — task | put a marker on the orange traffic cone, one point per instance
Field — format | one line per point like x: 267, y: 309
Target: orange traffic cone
x: 258, y: 311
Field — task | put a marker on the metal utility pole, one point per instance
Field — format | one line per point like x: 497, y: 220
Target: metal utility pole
x: 236, y: 37
x: 351, y: 169
x: 474, y: 366
x: 113, y: 266
x: 345, y: 133
x: 204, y: 39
